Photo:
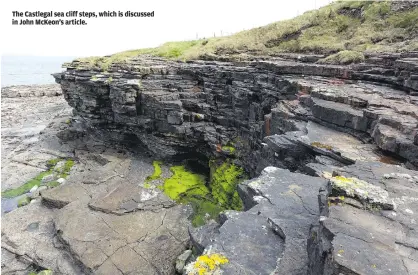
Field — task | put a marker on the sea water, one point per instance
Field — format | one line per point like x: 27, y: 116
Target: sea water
x: 27, y: 70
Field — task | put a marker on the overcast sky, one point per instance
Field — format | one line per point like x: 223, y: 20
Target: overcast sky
x: 173, y: 21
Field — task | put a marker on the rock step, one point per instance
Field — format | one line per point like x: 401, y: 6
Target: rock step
x: 392, y: 140
x: 339, y: 114
x: 355, y: 236
x: 270, y: 237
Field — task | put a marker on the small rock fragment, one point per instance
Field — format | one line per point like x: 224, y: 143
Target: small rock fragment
x: 182, y: 259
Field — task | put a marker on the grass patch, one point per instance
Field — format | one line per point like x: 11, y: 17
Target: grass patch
x: 341, y: 26
x: 61, y: 172
x: 343, y: 58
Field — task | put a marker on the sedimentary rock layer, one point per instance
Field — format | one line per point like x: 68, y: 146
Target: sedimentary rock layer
x: 175, y: 108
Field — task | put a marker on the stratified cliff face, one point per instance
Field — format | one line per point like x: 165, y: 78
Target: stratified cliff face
x: 183, y: 108
x: 315, y: 135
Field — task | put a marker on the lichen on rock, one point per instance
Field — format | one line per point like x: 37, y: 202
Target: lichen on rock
x: 373, y: 196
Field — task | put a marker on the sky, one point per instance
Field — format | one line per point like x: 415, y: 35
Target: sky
x: 173, y: 21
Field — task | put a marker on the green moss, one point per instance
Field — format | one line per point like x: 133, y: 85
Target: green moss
x: 204, y: 209
x: 45, y: 272
x: 53, y: 184
x: 228, y: 148
x: 224, y: 181
x: 51, y: 164
x: 23, y: 201
x: 157, y: 171
x: 185, y: 184
x: 207, y: 202
x: 26, y: 187
x: 187, y: 187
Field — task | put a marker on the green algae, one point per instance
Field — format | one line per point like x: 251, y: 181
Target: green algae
x: 203, y: 210
x: 224, y: 181
x: 184, y: 183
x: 53, y: 184
x: 157, y: 171
x: 26, y: 187
x: 61, y: 172
x: 229, y: 149
x: 23, y: 201
x: 186, y: 187
x: 206, y: 200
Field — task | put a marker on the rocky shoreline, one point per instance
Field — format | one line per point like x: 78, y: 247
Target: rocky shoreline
x: 331, y: 154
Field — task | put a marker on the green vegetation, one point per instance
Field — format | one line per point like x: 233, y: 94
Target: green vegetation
x: 184, y: 183
x: 207, y: 201
x: 189, y: 188
x: 23, y: 201
x: 343, y: 57
x: 224, y: 181
x: 59, y: 172
x: 353, y: 26
x: 53, y: 184
x: 157, y: 171
x: 228, y: 148
x: 208, y: 264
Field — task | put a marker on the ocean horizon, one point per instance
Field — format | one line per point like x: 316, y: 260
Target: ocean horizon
x: 29, y: 70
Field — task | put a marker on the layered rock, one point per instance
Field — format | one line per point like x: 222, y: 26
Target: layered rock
x: 178, y: 108
x: 368, y: 222
x: 331, y: 122
x: 358, y: 219
x: 352, y: 214
x: 100, y: 220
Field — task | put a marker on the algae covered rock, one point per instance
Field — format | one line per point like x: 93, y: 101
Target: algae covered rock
x: 225, y: 177
x: 187, y: 187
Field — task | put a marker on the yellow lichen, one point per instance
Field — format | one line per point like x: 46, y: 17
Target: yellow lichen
x: 348, y: 185
x: 207, y: 264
